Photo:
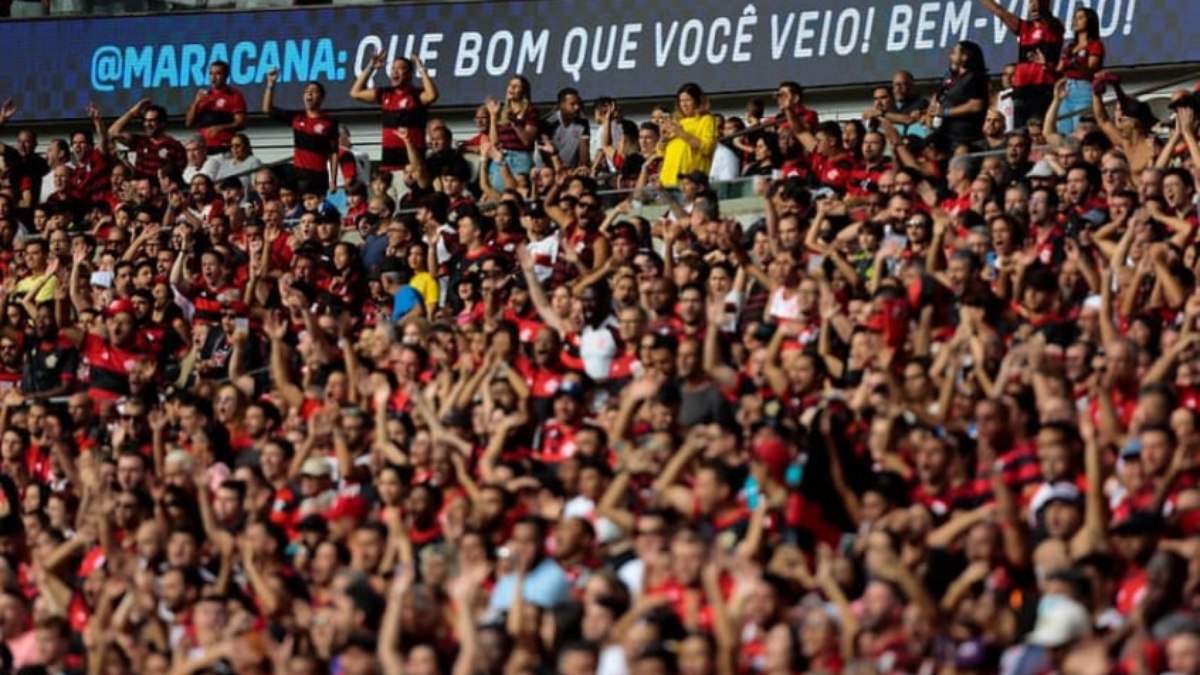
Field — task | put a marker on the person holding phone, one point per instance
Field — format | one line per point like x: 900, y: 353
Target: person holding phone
x: 691, y: 136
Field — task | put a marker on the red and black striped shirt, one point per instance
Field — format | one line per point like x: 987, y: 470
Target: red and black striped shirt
x: 218, y: 108
x: 152, y: 154
x: 314, y: 138
x: 402, y: 109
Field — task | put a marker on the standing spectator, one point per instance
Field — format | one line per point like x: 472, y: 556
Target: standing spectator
x: 961, y: 104
x: 90, y: 178
x: 691, y: 136
x: 314, y: 164
x: 26, y: 168
x: 155, y: 150
x: 568, y: 132
x: 1081, y: 60
x: 217, y: 112
x: 1039, y: 42
x: 58, y: 153
x: 512, y: 129
x: 405, y: 106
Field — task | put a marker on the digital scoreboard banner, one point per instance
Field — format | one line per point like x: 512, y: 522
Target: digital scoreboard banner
x: 620, y: 48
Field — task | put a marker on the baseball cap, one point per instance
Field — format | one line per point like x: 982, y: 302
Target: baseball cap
x: 1049, y: 493
x: 774, y: 453
x: 624, y: 231
x: 1041, y: 170
x: 1060, y: 621
x: 316, y: 468
x: 570, y: 388
x: 1138, y: 522
x: 1132, y: 449
x: 118, y: 306
x: 353, y: 507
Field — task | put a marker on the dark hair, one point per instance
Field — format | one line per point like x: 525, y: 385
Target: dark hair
x: 163, y: 117
x: 1093, y: 22
x: 692, y: 89
x: 974, y: 53
x: 793, y: 87
x: 567, y: 91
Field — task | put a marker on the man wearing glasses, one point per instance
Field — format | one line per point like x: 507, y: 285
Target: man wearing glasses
x: 153, y: 150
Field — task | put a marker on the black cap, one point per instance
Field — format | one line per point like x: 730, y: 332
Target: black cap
x: 1136, y: 523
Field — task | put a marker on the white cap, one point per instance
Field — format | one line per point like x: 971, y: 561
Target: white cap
x: 1060, y: 621
x: 1052, y: 492
x: 316, y: 467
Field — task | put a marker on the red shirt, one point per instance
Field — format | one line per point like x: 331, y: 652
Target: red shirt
x: 314, y: 138
x: 402, y: 109
x: 1074, y: 62
x: 1046, y: 36
x: 219, y: 107
x: 155, y: 153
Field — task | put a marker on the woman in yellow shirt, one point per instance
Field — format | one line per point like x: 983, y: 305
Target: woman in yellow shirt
x: 690, y: 136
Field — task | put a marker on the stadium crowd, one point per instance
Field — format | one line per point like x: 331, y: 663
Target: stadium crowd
x: 934, y: 412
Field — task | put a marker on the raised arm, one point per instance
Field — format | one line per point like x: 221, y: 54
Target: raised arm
x: 1010, y: 20
x: 268, y: 99
x: 359, y: 90
x: 102, y: 144
x: 281, y: 379
x: 116, y: 130
x: 537, y: 295
x: 429, y: 90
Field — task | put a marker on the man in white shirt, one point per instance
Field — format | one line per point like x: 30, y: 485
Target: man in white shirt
x: 198, y: 161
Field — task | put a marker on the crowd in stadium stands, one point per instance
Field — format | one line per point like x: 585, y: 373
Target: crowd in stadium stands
x: 936, y: 411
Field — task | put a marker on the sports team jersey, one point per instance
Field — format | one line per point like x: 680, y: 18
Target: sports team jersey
x: 402, y: 109
x: 1045, y: 35
x: 218, y: 108
x: 314, y: 138
x: 153, y: 154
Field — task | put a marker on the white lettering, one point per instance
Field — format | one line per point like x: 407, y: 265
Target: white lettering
x: 743, y: 36
x: 574, y: 52
x: 718, y: 48
x: 925, y: 25
x: 899, y: 28
x: 469, y: 46
x: 629, y: 45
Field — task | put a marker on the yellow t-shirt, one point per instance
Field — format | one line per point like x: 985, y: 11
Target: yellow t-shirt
x: 427, y: 286
x: 28, y: 283
x: 680, y: 158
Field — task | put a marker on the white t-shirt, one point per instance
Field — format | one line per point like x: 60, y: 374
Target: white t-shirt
x: 544, y: 252
x: 597, y: 348
x: 725, y: 165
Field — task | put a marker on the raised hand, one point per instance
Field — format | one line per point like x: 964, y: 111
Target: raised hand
x: 274, y: 327
x: 377, y: 60
x: 7, y: 110
x: 272, y: 77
